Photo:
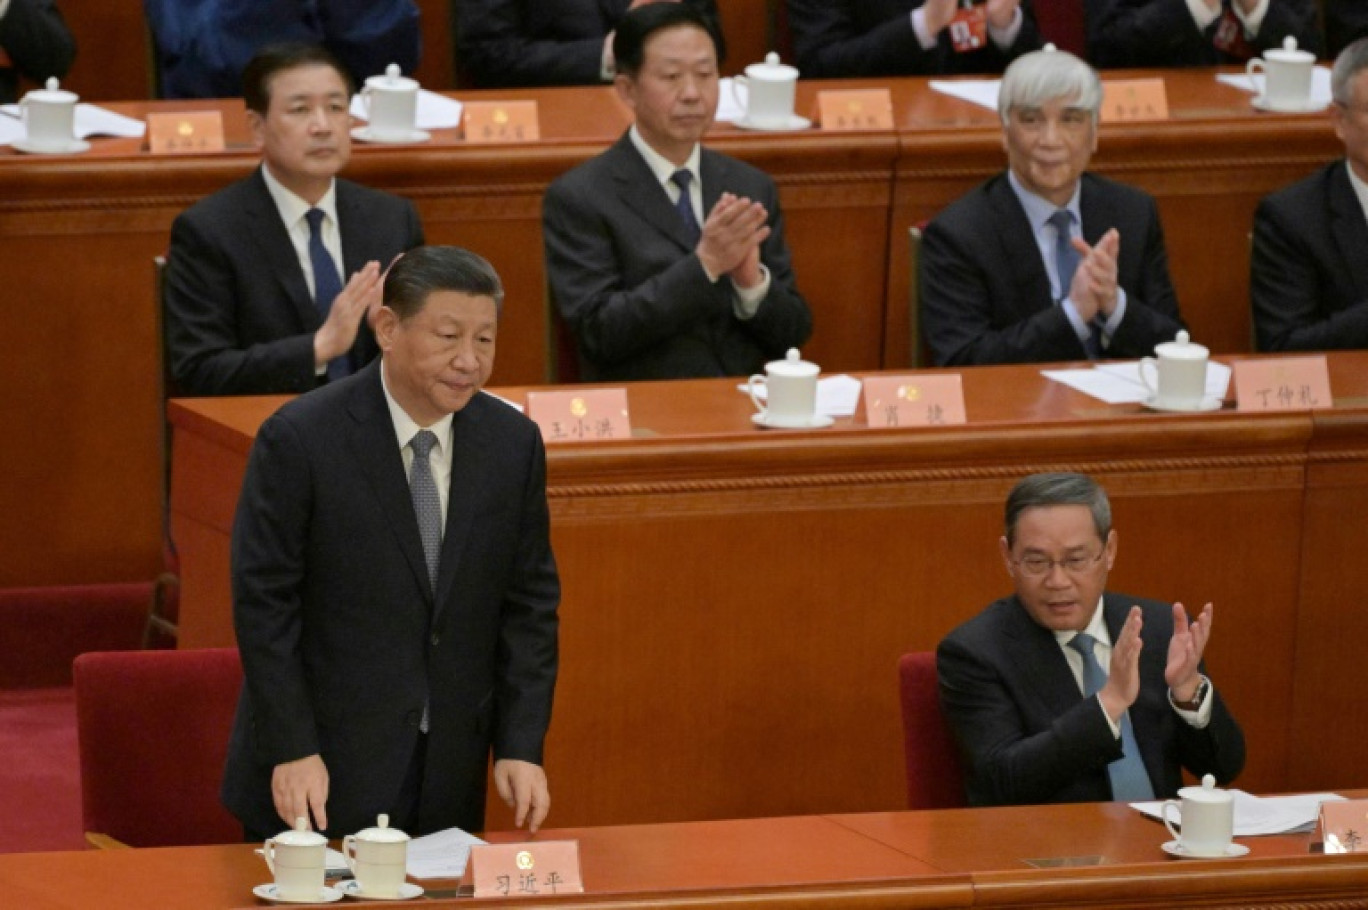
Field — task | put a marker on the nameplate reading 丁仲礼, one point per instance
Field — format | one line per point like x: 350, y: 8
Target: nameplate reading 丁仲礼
x: 1282, y: 384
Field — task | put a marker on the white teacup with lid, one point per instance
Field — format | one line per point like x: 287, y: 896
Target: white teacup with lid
x: 1287, y: 77
x: 1180, y: 375
x: 391, y: 103
x: 1207, y: 818
x: 770, y: 90
x: 50, y: 117
x: 296, y: 858
x: 790, y: 392
x: 378, y: 858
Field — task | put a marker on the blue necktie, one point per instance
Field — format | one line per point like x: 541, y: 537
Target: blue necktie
x: 327, y: 284
x: 682, y: 178
x: 1066, y: 264
x: 427, y: 505
x: 1129, y: 780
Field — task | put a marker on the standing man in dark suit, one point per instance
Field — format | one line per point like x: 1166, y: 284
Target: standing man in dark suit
x: 1309, y: 265
x: 531, y: 42
x: 394, y: 592
x: 665, y: 259
x: 255, y: 300
x: 1022, y: 684
x: 34, y: 43
x: 1046, y: 262
x: 838, y: 38
x: 1135, y: 33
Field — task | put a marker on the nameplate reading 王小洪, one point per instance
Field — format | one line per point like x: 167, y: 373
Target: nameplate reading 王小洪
x: 580, y: 415
x: 185, y: 132
x: 500, y: 121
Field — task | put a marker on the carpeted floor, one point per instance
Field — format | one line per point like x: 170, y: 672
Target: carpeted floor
x: 40, y: 777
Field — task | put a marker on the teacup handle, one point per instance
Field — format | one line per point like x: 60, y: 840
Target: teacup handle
x: 1164, y: 813
x: 1144, y: 379
x: 268, y: 851
x: 1255, y: 63
x: 757, y: 379
x: 349, y: 851
x: 743, y: 103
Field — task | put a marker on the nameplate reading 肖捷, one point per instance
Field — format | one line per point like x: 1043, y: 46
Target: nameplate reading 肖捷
x: 1282, y: 384
x: 1344, y: 826
x: 580, y: 415
x: 501, y: 121
x: 913, y: 400
x: 1133, y: 100
x: 537, y: 869
x: 860, y: 109
x: 186, y: 132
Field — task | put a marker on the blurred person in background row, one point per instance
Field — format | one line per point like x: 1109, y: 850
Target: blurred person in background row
x: 35, y: 44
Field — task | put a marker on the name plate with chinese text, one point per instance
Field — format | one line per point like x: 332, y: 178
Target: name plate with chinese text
x: 860, y: 109
x: 1282, y: 384
x: 501, y: 121
x: 1344, y: 826
x: 186, y: 132
x: 521, y: 870
x: 1134, y: 100
x: 580, y: 415
x: 925, y: 400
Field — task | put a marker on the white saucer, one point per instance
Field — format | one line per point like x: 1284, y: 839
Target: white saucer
x: 1208, y: 404
x: 268, y: 892
x: 816, y: 423
x: 1310, y: 107
x: 1173, y: 848
x: 794, y: 123
x: 73, y: 147
x: 364, y: 134
x: 407, y: 891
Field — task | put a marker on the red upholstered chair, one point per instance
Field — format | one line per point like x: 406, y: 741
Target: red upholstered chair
x: 153, y: 732
x: 43, y: 629
x: 935, y: 779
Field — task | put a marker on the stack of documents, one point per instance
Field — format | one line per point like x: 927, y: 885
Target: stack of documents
x: 1256, y: 815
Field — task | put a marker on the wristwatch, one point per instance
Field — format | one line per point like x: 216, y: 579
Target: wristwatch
x: 1197, y: 697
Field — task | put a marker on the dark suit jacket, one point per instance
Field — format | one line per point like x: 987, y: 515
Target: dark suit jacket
x: 240, y: 319
x: 836, y: 38
x: 38, y: 42
x: 1345, y: 21
x: 1309, y: 266
x: 533, y: 42
x: 985, y: 294
x: 342, y: 639
x: 1028, y: 735
x: 625, y: 279
x: 1131, y: 33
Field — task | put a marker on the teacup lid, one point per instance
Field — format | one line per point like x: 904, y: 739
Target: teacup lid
x: 1181, y: 348
x: 771, y: 69
x: 1289, y: 53
x: 382, y: 832
x: 792, y: 365
x: 1208, y: 792
x: 391, y: 81
x: 53, y: 93
x: 301, y: 836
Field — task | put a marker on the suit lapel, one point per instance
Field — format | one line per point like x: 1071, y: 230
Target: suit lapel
x: 1040, y: 661
x: 278, y: 251
x: 350, y: 227
x: 469, y: 454
x: 1018, y: 243
x: 381, y: 462
x: 1348, y: 227
x: 639, y: 190
x: 713, y: 171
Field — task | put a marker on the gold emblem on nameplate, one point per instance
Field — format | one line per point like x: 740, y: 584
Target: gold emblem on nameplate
x: 578, y: 407
x: 500, y: 116
x: 909, y: 392
x: 524, y: 860
x: 185, y: 128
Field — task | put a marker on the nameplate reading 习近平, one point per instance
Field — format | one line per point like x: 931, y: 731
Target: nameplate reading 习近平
x: 540, y: 869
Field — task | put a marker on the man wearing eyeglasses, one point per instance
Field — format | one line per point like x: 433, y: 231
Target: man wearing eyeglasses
x: 1037, y: 717
x: 1308, y: 278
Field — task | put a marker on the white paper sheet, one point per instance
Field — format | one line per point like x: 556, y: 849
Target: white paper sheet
x: 1259, y: 815
x: 1320, y: 84
x: 435, y: 112
x: 983, y: 92
x: 442, y: 854
x: 90, y: 121
x: 1119, y: 383
x: 11, y: 127
x: 732, y: 97
x: 837, y: 396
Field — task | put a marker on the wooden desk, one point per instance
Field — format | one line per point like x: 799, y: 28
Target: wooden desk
x: 736, y: 598
x: 952, y: 858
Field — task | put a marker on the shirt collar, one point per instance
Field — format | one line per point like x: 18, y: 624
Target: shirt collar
x: 1038, y: 208
x: 661, y: 166
x: 1360, y: 189
x: 293, y: 207
x: 1097, y: 628
x: 405, y: 427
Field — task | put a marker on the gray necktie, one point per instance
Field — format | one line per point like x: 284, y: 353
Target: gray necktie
x: 1129, y: 780
x: 427, y: 505
x: 1066, y: 264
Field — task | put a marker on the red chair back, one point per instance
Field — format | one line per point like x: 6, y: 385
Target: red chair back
x: 153, y: 731
x: 935, y: 779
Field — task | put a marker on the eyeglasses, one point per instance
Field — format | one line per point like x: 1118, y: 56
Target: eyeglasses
x: 1040, y: 566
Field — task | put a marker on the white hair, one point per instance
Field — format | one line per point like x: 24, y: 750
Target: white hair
x: 1039, y: 77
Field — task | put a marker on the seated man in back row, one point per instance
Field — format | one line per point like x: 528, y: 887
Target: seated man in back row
x: 1046, y: 262
x: 667, y: 260
x: 1037, y: 717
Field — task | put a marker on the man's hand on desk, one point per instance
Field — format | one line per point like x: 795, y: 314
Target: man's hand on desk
x: 300, y: 787
x: 731, y: 238
x: 361, y: 298
x: 522, y: 785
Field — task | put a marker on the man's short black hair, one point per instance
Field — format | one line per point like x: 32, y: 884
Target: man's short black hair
x: 276, y: 58
x: 421, y: 271
x: 637, y: 25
